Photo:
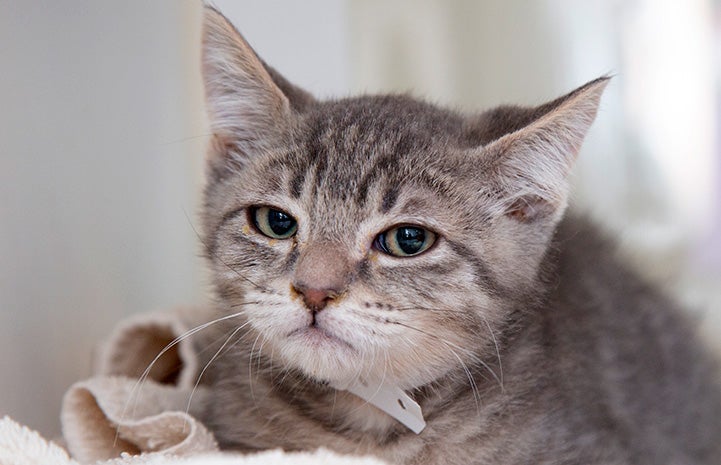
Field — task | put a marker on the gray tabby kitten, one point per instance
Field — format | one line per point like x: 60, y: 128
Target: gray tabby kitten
x: 384, y: 242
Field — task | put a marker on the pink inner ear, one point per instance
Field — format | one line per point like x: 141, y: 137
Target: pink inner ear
x: 529, y: 208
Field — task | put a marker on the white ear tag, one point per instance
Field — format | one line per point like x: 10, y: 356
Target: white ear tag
x: 392, y: 400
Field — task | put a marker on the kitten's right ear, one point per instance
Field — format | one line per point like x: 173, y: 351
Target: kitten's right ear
x: 530, y: 164
x: 249, y: 104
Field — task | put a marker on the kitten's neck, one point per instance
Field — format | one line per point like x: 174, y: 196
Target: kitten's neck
x: 357, y: 419
x: 336, y: 409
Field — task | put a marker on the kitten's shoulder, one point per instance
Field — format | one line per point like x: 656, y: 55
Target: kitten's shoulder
x: 591, y: 274
x: 581, y: 247
x: 627, y: 350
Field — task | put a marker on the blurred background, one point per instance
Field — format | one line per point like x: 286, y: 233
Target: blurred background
x: 102, y: 136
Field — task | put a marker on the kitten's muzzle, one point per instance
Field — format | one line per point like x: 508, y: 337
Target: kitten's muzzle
x: 321, y: 275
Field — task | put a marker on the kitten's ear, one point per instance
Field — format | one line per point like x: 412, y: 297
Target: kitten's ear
x: 249, y: 103
x: 530, y: 165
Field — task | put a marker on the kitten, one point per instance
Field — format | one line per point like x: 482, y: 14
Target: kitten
x: 383, y: 246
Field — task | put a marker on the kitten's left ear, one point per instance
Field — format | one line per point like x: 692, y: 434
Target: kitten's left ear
x: 249, y: 103
x: 530, y: 165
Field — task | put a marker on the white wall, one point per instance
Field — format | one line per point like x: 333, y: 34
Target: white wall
x: 95, y: 181
x: 306, y: 41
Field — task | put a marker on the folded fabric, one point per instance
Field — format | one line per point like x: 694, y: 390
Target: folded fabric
x: 106, y: 416
x: 22, y: 446
x: 142, y: 407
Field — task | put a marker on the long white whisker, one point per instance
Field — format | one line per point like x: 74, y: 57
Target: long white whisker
x: 143, y: 377
x: 455, y: 346
x: 212, y: 359
x: 474, y: 387
x: 176, y: 341
x: 498, y: 352
x: 250, y: 369
x: 260, y: 351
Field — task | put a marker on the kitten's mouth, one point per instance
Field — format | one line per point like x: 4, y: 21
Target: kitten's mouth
x: 317, y: 337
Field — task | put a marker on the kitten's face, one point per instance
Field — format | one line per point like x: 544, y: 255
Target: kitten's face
x: 375, y: 237
x: 383, y: 217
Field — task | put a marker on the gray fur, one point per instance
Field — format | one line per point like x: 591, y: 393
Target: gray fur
x: 521, y: 335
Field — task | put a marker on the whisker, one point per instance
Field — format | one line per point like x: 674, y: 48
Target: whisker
x: 285, y: 374
x: 474, y: 387
x: 272, y: 353
x: 237, y: 341
x: 186, y: 335
x: 451, y: 345
x: 472, y: 382
x: 412, y: 347
x: 498, y: 352
x: 428, y: 309
x: 260, y: 350
x: 332, y: 408
x: 212, y: 359
x: 250, y: 369
x: 134, y: 392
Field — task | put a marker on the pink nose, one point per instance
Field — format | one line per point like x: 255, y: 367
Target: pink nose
x: 322, y: 273
x: 316, y: 299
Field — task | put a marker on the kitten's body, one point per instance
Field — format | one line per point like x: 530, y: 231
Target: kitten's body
x: 518, y: 332
x: 602, y: 370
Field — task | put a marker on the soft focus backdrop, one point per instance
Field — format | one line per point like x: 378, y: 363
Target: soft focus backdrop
x: 102, y: 134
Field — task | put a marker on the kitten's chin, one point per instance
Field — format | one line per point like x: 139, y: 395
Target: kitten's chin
x: 321, y: 355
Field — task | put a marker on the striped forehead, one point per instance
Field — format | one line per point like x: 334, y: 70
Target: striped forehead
x: 337, y: 192
x: 352, y: 159
x: 323, y: 181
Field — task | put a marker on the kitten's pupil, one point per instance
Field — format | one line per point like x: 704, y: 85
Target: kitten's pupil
x: 279, y: 222
x: 410, y: 240
x: 405, y: 241
x: 273, y: 223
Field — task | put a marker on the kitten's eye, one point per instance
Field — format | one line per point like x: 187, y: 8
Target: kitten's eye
x: 273, y: 223
x: 405, y: 241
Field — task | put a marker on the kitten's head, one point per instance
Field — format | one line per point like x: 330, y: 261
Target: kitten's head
x: 376, y: 236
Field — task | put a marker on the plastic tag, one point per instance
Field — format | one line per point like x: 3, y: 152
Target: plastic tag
x: 392, y: 400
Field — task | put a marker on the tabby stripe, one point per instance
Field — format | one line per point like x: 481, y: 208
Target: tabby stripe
x: 212, y: 247
x: 295, y: 187
x: 371, y: 175
x: 389, y: 199
x: 291, y: 259
x: 483, y: 274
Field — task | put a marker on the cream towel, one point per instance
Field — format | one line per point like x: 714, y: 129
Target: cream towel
x: 113, y: 419
x: 22, y: 446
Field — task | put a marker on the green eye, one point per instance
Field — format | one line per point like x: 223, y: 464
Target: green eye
x: 273, y: 223
x: 405, y: 241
